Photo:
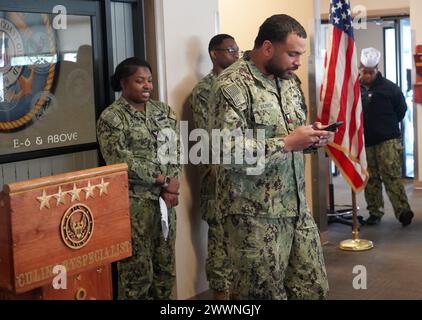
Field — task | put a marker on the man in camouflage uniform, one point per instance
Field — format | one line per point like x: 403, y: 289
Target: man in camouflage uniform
x: 384, y: 106
x: 127, y: 132
x: 223, y: 51
x: 270, y: 234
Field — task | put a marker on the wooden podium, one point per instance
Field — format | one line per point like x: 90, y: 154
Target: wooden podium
x: 74, y: 224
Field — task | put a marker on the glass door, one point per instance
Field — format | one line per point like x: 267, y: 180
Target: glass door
x: 398, y: 66
x: 407, y: 88
x: 51, y: 77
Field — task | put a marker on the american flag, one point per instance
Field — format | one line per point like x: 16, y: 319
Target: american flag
x: 340, y: 97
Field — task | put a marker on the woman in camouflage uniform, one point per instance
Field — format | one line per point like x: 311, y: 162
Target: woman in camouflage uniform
x: 128, y: 131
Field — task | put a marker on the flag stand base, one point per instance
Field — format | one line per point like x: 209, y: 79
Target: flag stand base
x: 356, y: 244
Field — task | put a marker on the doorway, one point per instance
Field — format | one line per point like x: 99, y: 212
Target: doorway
x: 392, y: 36
x: 398, y: 66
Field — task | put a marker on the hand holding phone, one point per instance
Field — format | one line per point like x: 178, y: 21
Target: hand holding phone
x: 333, y: 127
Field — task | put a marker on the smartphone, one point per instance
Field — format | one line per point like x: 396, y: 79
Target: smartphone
x: 332, y: 127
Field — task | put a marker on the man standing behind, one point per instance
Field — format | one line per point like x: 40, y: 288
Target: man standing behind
x: 223, y: 51
x: 272, y: 239
x: 384, y: 106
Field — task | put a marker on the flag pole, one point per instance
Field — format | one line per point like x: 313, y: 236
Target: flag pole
x: 355, y: 244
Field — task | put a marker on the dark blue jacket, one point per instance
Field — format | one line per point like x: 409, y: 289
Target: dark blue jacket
x: 384, y: 106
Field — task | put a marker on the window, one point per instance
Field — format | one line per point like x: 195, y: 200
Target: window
x: 51, y: 78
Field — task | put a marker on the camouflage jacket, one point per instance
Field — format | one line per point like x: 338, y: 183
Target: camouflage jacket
x: 198, y: 102
x: 242, y: 98
x: 130, y: 136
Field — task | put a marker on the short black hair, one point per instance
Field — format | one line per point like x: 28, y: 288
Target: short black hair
x: 217, y: 40
x: 125, y: 69
x: 276, y: 29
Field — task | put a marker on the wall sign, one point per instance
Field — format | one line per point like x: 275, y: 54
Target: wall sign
x: 46, y: 83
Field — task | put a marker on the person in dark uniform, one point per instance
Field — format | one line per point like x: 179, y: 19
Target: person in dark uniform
x: 384, y: 106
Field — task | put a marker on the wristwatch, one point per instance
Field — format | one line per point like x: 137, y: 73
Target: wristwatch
x: 166, y: 182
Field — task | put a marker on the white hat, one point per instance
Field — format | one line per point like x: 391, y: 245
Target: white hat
x: 370, y: 57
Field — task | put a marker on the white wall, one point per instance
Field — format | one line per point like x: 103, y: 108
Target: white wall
x: 183, y: 33
x: 242, y: 18
x: 373, y: 36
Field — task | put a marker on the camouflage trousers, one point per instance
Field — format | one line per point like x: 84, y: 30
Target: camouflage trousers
x: 217, y: 265
x: 384, y: 166
x: 275, y: 259
x: 150, y: 272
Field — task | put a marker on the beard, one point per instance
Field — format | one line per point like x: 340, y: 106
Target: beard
x: 278, y: 72
x: 366, y: 82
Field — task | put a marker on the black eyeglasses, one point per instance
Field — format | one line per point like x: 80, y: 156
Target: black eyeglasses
x: 229, y: 50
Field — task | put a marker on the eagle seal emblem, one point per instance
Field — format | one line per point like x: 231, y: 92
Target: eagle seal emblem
x: 28, y: 59
x: 77, y: 226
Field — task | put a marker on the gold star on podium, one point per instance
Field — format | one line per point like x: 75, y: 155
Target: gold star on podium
x: 44, y: 200
x: 75, y: 193
x: 103, y: 187
x: 60, y: 196
x: 89, y: 191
